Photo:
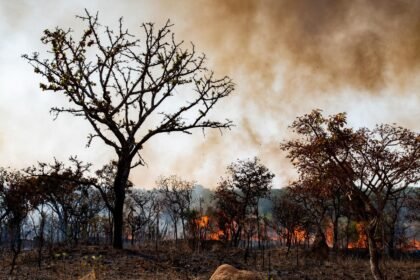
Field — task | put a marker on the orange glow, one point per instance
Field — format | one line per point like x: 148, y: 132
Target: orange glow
x: 202, y: 222
x: 412, y: 245
x: 216, y: 235
x: 329, y: 235
x: 299, y: 234
x: 362, y: 241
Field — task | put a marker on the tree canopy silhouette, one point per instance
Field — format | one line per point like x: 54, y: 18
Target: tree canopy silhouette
x: 371, y: 166
x: 238, y: 194
x: 129, y: 89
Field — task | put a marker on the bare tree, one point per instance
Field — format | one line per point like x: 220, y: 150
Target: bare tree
x: 393, y: 219
x: 177, y: 198
x: 141, y: 205
x: 124, y: 86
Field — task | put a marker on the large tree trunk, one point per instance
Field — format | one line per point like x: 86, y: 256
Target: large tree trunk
x: 120, y: 184
x: 373, y: 252
x: 118, y: 220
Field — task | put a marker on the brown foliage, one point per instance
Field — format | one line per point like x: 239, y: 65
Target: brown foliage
x: 369, y: 166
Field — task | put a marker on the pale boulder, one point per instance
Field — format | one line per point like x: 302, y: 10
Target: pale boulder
x: 228, y: 272
x: 90, y: 276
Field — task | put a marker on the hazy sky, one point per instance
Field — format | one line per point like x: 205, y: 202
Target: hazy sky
x: 286, y: 58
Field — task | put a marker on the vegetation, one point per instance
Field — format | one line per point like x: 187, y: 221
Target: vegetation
x: 356, y: 195
x: 120, y: 84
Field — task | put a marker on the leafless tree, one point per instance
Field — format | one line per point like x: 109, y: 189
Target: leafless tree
x: 394, y: 218
x: 177, y: 197
x: 141, y: 211
x: 129, y: 90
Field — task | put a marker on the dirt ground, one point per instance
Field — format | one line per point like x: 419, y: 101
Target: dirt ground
x: 181, y: 263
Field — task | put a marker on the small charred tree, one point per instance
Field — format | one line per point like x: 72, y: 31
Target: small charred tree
x: 86, y: 207
x: 394, y: 218
x: 39, y: 230
x: 228, y: 208
x: 413, y: 205
x: 20, y: 197
x: 289, y: 214
x: 238, y: 195
x: 321, y: 197
x: 140, y: 214
x: 61, y: 187
x: 177, y: 197
x: 124, y: 86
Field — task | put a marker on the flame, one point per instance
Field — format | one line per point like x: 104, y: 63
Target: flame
x: 329, y: 235
x: 216, y: 235
x: 362, y: 241
x: 202, y: 222
x: 412, y: 245
x: 300, y: 234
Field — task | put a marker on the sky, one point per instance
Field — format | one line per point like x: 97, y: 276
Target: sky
x: 286, y: 58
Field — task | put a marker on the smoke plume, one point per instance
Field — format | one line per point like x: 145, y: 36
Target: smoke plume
x: 325, y: 44
x: 291, y: 56
x: 286, y: 57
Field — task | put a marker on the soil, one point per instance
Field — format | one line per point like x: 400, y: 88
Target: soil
x: 182, y: 263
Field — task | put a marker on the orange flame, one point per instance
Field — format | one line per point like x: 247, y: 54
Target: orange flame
x: 202, y: 222
x: 412, y: 245
x: 216, y: 235
x: 329, y: 235
x: 299, y: 234
x: 362, y: 241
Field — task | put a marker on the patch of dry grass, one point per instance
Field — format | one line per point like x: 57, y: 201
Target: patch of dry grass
x: 181, y: 263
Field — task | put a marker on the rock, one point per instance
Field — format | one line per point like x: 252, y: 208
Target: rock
x: 90, y: 276
x: 228, y: 272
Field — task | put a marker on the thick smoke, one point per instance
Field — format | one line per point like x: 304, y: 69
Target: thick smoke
x: 326, y: 44
x: 286, y: 57
x: 291, y: 56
